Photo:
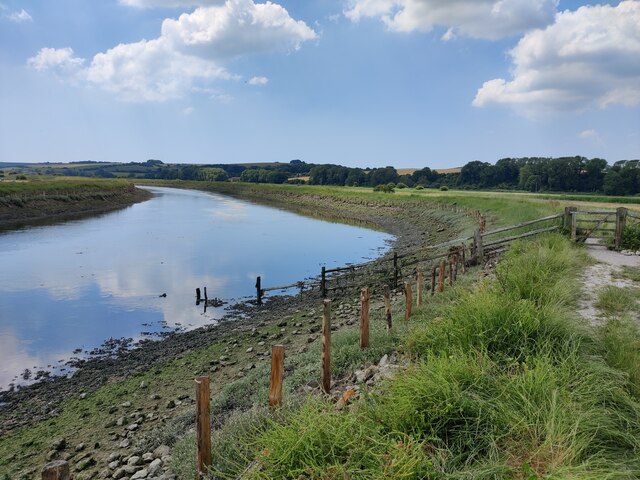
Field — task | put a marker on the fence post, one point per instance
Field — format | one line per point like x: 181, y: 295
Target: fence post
x: 566, y: 222
x: 323, y: 282
x: 621, y: 222
x: 409, y: 301
x: 395, y: 270
x: 482, y: 223
x: 456, y: 260
x: 259, y: 291
x: 420, y: 281
x: 325, y: 381
x: 205, y: 295
x: 56, y: 470
x: 198, y: 298
x: 387, y: 306
x: 450, y: 272
x: 203, y: 426
x: 277, y: 372
x: 443, y: 265
x: 364, y: 318
x: 477, y: 241
x: 574, y: 226
x: 433, y: 280
x: 464, y: 259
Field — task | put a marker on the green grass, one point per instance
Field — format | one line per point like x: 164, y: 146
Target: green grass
x: 38, y: 184
x: 504, y: 383
x: 629, y: 273
x: 614, y: 301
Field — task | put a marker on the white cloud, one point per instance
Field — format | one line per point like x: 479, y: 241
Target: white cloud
x: 488, y: 19
x: 61, y: 60
x: 259, y: 81
x: 592, y: 136
x: 589, y: 57
x: 169, y: 3
x: 188, y: 111
x: 190, y: 52
x: 19, y: 17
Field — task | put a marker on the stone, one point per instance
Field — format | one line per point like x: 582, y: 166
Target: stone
x: 143, y: 384
x: 154, y: 396
x: 125, y: 404
x: 113, y: 465
x: 120, y: 421
x: 86, y: 463
x: 113, y: 409
x: 79, y: 447
x: 155, y: 466
x: 133, y: 427
x: 125, y: 443
x: 161, y: 451
x: 260, y: 344
x: 171, y: 404
x: 134, y: 460
x: 119, y: 473
x: 384, y: 360
x: 250, y: 349
x: 83, y: 396
x: 59, y: 444
x: 140, y: 474
x: 51, y: 455
x: 113, y: 456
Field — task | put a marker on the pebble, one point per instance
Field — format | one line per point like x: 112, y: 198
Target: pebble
x: 83, y: 396
x: 147, y: 457
x: 143, y: 384
x: 155, y: 466
x: 250, y: 349
x: 134, y: 460
x: 125, y: 443
x: 125, y: 404
x: 132, y: 427
x: 140, y: 474
x: 113, y: 465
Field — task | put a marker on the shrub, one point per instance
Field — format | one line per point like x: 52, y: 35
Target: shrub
x: 385, y: 188
x: 631, y: 237
x: 444, y: 188
x: 21, y: 177
x: 401, y: 185
x: 419, y: 187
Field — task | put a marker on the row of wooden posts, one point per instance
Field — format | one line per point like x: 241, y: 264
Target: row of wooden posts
x: 203, y: 420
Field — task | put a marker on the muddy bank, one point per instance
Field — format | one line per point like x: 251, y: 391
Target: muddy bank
x: 46, y: 208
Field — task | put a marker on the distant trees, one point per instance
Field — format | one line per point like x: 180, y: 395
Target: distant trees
x: 213, y: 175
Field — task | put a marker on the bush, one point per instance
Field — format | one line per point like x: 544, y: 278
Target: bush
x: 401, y: 185
x: 444, y: 188
x: 21, y: 177
x: 419, y: 187
x: 385, y: 188
x: 631, y: 237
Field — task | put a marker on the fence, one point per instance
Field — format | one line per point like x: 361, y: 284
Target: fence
x: 594, y: 224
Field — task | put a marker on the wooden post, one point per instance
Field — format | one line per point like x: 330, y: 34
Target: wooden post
x: 443, y: 265
x: 450, y: 272
x: 364, y: 318
x: 198, y: 297
x: 433, y: 280
x: 395, y: 270
x: 259, y: 291
x: 409, y: 301
x: 464, y: 259
x: 566, y: 223
x: 387, y: 306
x: 56, y: 470
x: 323, y: 282
x: 482, y: 223
x: 456, y: 260
x: 621, y: 222
x: 419, y: 288
x: 203, y: 426
x: 478, y: 246
x: 325, y: 381
x: 574, y: 226
x: 277, y: 372
x: 205, y: 295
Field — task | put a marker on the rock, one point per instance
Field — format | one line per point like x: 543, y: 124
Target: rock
x: 51, y: 455
x: 134, y: 460
x: 133, y: 427
x: 113, y: 456
x: 171, y: 404
x: 125, y: 404
x: 140, y: 474
x: 59, y: 444
x: 112, y: 409
x: 86, y: 463
x: 155, y: 466
x: 383, y: 361
x: 125, y: 443
x: 250, y: 349
x: 130, y: 469
x: 154, y: 396
x: 113, y: 465
x: 119, y: 473
x: 143, y: 384
x: 260, y: 344
x: 311, y: 339
x: 79, y: 447
x: 120, y: 421
x: 147, y: 457
x: 161, y: 451
x: 104, y: 473
x: 83, y: 396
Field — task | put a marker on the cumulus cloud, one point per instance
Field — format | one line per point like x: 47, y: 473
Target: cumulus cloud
x: 591, y: 136
x: 62, y: 60
x: 190, y: 53
x: 169, y: 3
x: 19, y: 17
x: 488, y: 19
x: 587, y: 58
x: 259, y: 81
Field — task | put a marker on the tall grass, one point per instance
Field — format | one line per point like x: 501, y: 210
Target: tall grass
x: 505, y: 383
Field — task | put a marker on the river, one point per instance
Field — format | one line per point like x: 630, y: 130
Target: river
x: 68, y: 287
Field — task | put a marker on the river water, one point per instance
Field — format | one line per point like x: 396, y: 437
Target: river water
x: 73, y: 285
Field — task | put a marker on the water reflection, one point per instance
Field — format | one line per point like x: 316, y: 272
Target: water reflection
x: 76, y: 284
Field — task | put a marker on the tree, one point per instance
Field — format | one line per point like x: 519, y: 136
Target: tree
x: 213, y: 175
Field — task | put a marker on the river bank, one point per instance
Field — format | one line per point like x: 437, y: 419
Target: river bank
x: 42, y: 203
x: 156, y: 377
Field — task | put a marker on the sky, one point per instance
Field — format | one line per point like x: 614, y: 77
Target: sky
x: 408, y: 83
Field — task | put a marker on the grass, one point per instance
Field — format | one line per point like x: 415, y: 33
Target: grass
x: 40, y: 184
x: 629, y: 273
x: 504, y: 383
x: 615, y: 301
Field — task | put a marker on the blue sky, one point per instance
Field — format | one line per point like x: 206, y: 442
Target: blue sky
x: 409, y: 83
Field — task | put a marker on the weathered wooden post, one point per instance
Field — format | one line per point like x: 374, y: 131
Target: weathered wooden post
x: 323, y: 282
x: 419, y: 288
x: 387, y: 307
x: 277, y: 372
x: 566, y: 222
x: 409, y: 301
x: 205, y: 295
x: 441, y: 273
x: 56, y: 470
x: 482, y: 223
x: 395, y: 270
x: 477, y: 242
x: 464, y: 259
x: 259, y: 291
x: 364, y: 318
x: 325, y: 381
x: 456, y: 260
x: 451, y: 272
x: 198, y: 297
x: 574, y: 226
x: 203, y: 426
x: 433, y: 280
x: 621, y: 222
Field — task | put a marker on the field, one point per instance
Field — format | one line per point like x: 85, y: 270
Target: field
x: 497, y: 377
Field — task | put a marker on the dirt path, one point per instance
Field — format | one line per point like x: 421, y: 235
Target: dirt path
x: 604, y: 272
